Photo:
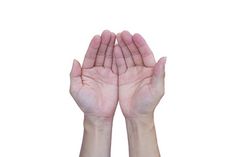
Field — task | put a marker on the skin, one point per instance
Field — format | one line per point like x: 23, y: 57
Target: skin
x: 94, y: 87
x: 128, y: 72
x: 141, y: 87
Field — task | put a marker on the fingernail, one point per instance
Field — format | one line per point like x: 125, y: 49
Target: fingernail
x: 74, y: 61
x: 164, y: 62
x: 164, y: 59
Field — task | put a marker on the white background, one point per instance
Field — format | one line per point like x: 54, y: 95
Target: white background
x: 40, y: 38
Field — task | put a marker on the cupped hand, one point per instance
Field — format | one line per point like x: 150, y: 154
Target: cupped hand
x: 141, y: 79
x: 94, y: 86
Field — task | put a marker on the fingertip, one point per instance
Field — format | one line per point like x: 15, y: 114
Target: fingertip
x: 163, y: 60
x: 95, y: 43
x: 97, y: 38
x: 76, y: 69
x: 113, y: 39
x: 164, y: 64
x: 106, y: 31
x: 125, y: 32
x: 118, y: 36
x: 137, y: 35
x: 75, y: 61
x: 119, y: 40
x: 139, y: 40
x: 160, y: 66
x: 106, y: 35
x: 113, y: 35
x: 127, y: 37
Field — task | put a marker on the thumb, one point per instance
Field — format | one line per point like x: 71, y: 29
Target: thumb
x: 158, y: 78
x: 75, y: 77
x: 76, y: 69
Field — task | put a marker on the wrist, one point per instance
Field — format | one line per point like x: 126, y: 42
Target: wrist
x: 92, y: 121
x: 141, y: 118
x: 144, y: 122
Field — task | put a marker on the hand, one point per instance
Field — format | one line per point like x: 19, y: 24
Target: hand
x: 141, y: 79
x: 94, y: 87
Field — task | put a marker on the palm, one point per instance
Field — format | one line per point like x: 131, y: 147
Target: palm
x: 98, y: 95
x: 135, y: 91
x: 94, y: 86
x: 140, y: 82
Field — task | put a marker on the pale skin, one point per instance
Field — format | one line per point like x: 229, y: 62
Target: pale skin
x: 127, y: 73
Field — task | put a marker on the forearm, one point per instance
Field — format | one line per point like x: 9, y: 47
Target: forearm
x: 142, y: 137
x: 97, y: 137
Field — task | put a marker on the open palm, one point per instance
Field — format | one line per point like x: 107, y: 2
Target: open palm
x: 95, y: 86
x: 141, y: 79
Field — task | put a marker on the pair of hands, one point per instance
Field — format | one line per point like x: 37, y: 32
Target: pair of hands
x: 126, y: 72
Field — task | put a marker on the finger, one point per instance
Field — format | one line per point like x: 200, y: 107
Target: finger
x: 114, y: 66
x: 120, y: 60
x: 158, y: 77
x: 126, y: 53
x: 127, y: 38
x: 75, y: 76
x: 109, y: 52
x: 147, y: 55
x: 76, y: 69
x: 89, y: 59
x: 106, y: 35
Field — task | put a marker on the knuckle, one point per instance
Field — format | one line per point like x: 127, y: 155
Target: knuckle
x: 162, y: 93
